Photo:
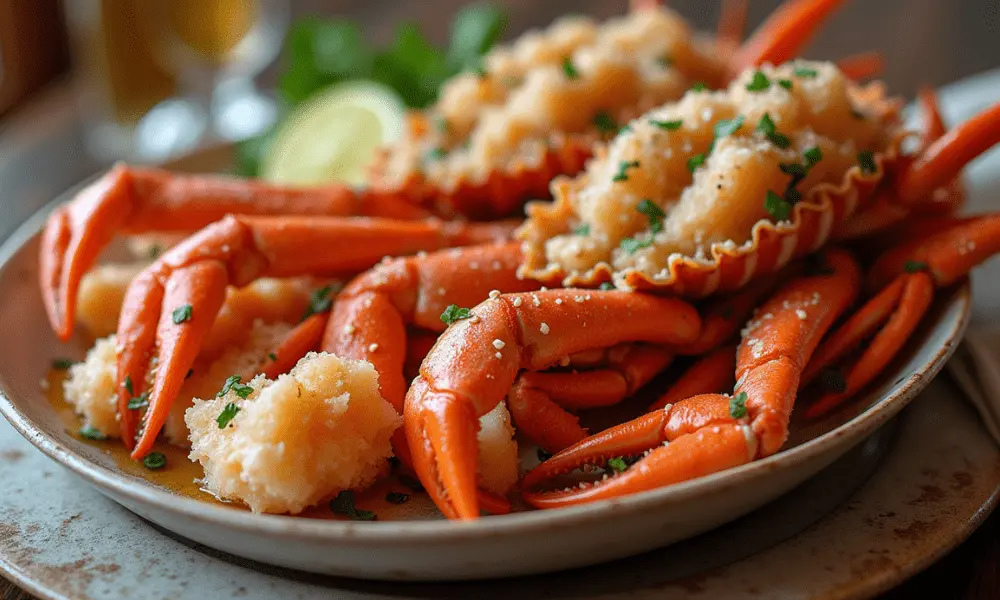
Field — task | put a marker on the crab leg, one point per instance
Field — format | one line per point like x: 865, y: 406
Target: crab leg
x: 783, y: 35
x: 133, y: 200
x: 538, y: 400
x: 708, y: 433
x: 300, y: 341
x: 476, y: 361
x: 180, y: 294
x: 862, y: 66
x: 936, y: 261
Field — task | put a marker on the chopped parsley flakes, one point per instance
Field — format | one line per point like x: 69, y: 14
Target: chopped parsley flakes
x: 92, y: 433
x: 605, y: 124
x: 582, y: 229
x: 695, y: 161
x: 699, y: 86
x: 785, y: 83
x: 453, y: 313
x: 623, y: 168
x: 343, y: 504
x: 668, y: 125
x: 805, y: 73
x: 607, y: 286
x: 738, y: 406
x: 228, y: 414
x: 233, y: 383
x: 128, y: 384
x: 759, y: 82
x: 768, y: 128
x: 570, y: 69
x: 319, y: 302
x: 632, y: 245
x: 397, y: 498
x: 653, y: 212
x: 61, y: 364
x: 181, y: 314
x: 776, y: 206
x: 154, y: 461
x: 142, y: 401
x: 866, y: 160
x: 617, y: 464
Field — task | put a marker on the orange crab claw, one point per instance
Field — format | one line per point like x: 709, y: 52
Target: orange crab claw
x: 133, y: 200
x: 708, y: 433
x: 538, y: 400
x: 914, y: 269
x: 301, y: 340
x: 184, y: 289
x: 862, y: 66
x: 944, y: 159
x: 782, y: 36
x: 712, y: 373
x: 476, y: 361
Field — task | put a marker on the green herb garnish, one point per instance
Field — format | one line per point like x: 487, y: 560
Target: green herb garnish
x: 569, y: 69
x: 653, y: 212
x: 668, y: 125
x: 728, y: 126
x: 866, y: 160
x: 453, y: 313
x: 738, y: 406
x: 623, y: 168
x: 92, y: 433
x: 604, y: 122
x: 582, y: 229
x: 805, y: 72
x: 812, y: 155
x: 128, y: 385
x: 142, y: 401
x: 181, y: 314
x: 768, y: 128
x: 233, y: 383
x: 776, y: 206
x: 759, y: 82
x: 227, y: 415
x: 154, y: 460
x: 436, y: 153
x: 606, y: 286
x: 61, y: 364
x: 618, y: 464
x: 272, y: 356
x: 319, y: 302
x: 699, y: 86
x: 695, y: 161
x: 343, y: 504
x: 664, y: 61
x: 785, y: 83
x: 632, y: 245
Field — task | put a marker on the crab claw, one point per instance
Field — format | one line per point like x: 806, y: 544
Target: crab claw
x: 133, y: 200
x: 708, y: 433
x: 475, y: 363
x: 784, y: 34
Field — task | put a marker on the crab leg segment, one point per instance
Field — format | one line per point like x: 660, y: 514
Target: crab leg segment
x: 784, y: 34
x: 183, y: 291
x: 538, y: 400
x: 708, y: 433
x: 133, y: 200
x: 937, y: 261
x: 475, y: 362
x: 713, y: 373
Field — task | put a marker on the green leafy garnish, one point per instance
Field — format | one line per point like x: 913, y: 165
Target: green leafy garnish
x: 569, y: 69
x: 833, y: 380
x: 738, y: 406
x: 623, y: 168
x: 319, y: 302
x: 272, y: 356
x: 866, y: 160
x: 582, y: 229
x: 759, y: 82
x: 181, y: 313
x: 915, y: 266
x: 320, y: 52
x: 785, y: 83
x: 728, y: 126
x: 343, y: 504
x: 653, y: 212
x: 813, y: 155
x: 699, y: 86
x: 233, y: 383
x: 632, y: 245
x: 605, y: 124
x: 92, y: 433
x: 664, y: 61
x: 606, y: 286
x: 436, y: 153
x: 453, y: 313
x: 128, y: 385
x: 668, y: 125
x: 142, y: 401
x: 154, y: 460
x: 61, y: 364
x: 805, y: 72
x: 618, y: 464
x: 776, y: 206
x: 768, y: 128
x: 227, y: 415
x: 396, y: 497
x: 695, y: 161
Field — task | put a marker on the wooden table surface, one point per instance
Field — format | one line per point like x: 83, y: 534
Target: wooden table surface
x: 926, y: 42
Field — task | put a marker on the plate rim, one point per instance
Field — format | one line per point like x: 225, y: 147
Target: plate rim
x: 440, y: 531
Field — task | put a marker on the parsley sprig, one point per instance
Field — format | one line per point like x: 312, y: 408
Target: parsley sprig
x: 454, y: 313
x: 343, y: 504
x: 233, y: 384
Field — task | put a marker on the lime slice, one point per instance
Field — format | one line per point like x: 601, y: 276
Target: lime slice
x: 333, y: 135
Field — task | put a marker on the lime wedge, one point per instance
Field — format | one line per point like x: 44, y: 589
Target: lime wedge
x: 332, y: 136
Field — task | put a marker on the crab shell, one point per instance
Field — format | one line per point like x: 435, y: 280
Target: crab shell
x: 501, y: 193
x: 728, y: 267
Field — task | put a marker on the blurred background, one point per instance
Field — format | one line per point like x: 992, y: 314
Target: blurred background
x: 87, y: 82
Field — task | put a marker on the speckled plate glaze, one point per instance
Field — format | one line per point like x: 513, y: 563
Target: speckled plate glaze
x: 517, y: 544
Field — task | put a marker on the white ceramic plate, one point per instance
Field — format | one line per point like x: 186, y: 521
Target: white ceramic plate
x: 515, y: 544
